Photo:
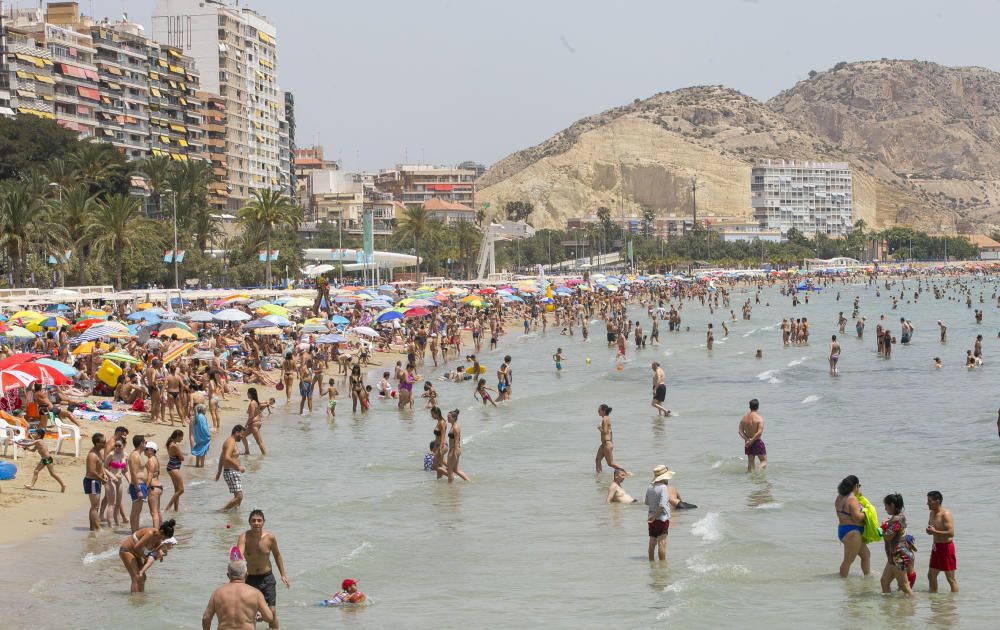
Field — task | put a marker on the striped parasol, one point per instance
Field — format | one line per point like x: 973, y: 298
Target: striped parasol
x: 177, y: 352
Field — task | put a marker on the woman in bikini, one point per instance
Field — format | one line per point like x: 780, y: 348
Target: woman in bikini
x: 173, y: 387
x: 288, y: 376
x: 850, y: 525
x: 440, y: 427
x: 454, y: 449
x: 138, y: 546
x: 357, y: 386
x: 155, y: 487
x: 115, y: 463
x: 174, y: 468
x: 483, y: 392
x: 255, y: 419
x: 606, y: 450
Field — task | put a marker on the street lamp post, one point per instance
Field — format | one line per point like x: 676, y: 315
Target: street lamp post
x: 177, y: 275
x: 62, y: 274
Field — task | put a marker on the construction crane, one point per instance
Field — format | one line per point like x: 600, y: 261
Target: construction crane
x: 507, y: 231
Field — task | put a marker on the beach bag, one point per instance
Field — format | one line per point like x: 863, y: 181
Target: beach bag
x: 873, y: 531
x: 280, y: 386
x: 139, y: 404
x: 105, y: 405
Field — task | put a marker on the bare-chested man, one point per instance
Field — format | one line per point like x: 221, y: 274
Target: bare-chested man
x: 236, y: 604
x: 751, y: 430
x: 941, y: 526
x: 137, y: 480
x: 93, y: 479
x: 659, y: 390
x: 257, y: 546
x: 229, y: 466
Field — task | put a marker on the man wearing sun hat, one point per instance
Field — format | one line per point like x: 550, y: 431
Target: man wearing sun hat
x: 658, y: 511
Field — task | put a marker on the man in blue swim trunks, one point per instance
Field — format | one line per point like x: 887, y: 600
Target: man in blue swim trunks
x: 136, y: 480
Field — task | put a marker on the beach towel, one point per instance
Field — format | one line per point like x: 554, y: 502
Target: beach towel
x: 201, y: 434
x: 873, y: 530
x: 98, y: 416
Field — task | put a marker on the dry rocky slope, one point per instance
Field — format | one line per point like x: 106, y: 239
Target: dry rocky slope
x: 922, y: 140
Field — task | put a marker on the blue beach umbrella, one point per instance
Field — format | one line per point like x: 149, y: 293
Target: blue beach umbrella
x: 278, y: 320
x: 66, y: 370
x: 147, y: 316
x: 388, y: 316
x: 340, y: 320
x: 59, y: 308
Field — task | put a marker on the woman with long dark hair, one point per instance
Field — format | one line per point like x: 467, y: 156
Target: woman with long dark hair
x: 606, y: 450
x: 850, y: 525
x: 174, y: 464
x: 255, y: 419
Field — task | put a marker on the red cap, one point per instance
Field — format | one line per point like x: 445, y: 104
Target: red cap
x: 346, y: 584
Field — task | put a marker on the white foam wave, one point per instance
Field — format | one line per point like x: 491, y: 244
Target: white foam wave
x: 795, y: 362
x: 91, y: 558
x: 767, y: 374
x: 709, y: 528
x: 362, y: 549
x: 773, y: 380
x: 196, y: 483
x: 668, y: 353
x: 698, y: 565
x: 811, y: 398
x: 747, y: 334
x: 771, y: 506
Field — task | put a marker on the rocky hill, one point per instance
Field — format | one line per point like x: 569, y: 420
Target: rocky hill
x: 937, y: 128
x: 920, y: 137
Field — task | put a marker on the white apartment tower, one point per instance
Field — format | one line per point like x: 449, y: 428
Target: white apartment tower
x: 236, y: 51
x: 812, y: 197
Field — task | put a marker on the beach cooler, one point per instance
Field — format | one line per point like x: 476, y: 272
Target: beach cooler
x: 109, y: 373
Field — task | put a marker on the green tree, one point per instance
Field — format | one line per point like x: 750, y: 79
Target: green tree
x: 73, y: 209
x: 467, y: 239
x: 594, y: 233
x: 21, y: 211
x: 648, y: 218
x: 413, y: 226
x: 607, y: 226
x: 195, y: 216
x: 119, y: 226
x: 28, y: 142
x: 101, y: 167
x: 518, y: 210
x: 157, y: 170
x: 268, y: 210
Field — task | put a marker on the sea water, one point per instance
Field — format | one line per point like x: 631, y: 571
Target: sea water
x: 531, y: 543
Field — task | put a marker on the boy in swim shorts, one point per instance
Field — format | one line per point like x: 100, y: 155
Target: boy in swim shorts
x: 46, y: 462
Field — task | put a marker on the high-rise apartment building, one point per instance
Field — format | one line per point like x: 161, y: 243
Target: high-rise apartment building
x: 175, y: 109
x: 236, y: 50
x: 416, y: 184
x: 214, y: 125
x: 26, y: 73
x: 123, y: 68
x: 288, y: 160
x: 812, y: 197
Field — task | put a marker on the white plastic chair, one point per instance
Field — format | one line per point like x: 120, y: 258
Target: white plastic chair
x: 8, y: 434
x: 67, y: 431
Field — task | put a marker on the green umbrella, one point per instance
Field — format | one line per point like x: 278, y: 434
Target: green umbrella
x: 124, y: 357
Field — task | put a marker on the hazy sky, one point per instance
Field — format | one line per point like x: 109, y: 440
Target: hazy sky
x: 443, y: 81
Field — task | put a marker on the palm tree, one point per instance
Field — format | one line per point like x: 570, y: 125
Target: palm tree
x: 20, y: 208
x: 59, y: 171
x: 73, y: 213
x: 190, y: 181
x: 413, y: 227
x: 594, y: 233
x: 156, y: 169
x: 270, y: 209
x: 467, y: 237
x: 94, y: 164
x: 119, y: 225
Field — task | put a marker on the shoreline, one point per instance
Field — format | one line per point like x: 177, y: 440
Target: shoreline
x: 30, y: 514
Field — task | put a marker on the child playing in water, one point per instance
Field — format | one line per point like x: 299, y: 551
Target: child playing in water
x: 430, y: 394
x: 331, y: 404
x: 482, y: 391
x: 558, y: 357
x: 429, y: 455
x: 349, y: 594
x: 157, y: 554
x: 365, y: 398
x: 38, y: 445
x: 384, y: 388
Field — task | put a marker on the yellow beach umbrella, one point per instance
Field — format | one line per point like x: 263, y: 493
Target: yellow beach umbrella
x: 273, y: 330
x: 298, y: 302
x: 95, y: 312
x: 180, y: 332
x: 28, y: 315
x: 272, y: 309
x: 144, y: 306
x: 89, y: 347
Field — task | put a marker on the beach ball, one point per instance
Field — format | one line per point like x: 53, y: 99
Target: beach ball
x: 620, y: 367
x: 549, y: 308
x: 588, y: 360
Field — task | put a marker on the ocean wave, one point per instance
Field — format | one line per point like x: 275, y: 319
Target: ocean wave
x: 708, y: 528
x: 811, y: 398
x: 91, y: 558
x: 363, y: 549
x: 770, y: 506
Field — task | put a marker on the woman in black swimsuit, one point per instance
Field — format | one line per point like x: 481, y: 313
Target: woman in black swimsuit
x: 454, y: 448
x: 138, y: 546
x: 174, y: 468
x: 439, y: 429
x: 155, y: 487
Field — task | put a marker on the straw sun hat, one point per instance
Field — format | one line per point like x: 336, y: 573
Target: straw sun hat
x: 662, y: 473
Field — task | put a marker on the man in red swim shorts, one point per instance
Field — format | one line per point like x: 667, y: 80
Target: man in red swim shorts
x: 942, y: 527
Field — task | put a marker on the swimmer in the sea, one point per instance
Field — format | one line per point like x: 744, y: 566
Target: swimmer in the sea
x: 616, y: 493
x: 482, y: 391
x: 558, y: 357
x: 937, y: 363
x: 834, y: 354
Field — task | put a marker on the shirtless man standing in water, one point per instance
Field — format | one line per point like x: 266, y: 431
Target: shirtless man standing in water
x: 941, y: 526
x: 834, y: 354
x: 236, y: 604
x: 257, y: 545
x: 751, y: 430
x: 659, y: 390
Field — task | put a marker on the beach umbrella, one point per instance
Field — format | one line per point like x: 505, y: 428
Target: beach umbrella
x: 3, y: 327
x: 364, y: 330
x: 122, y: 357
x: 177, y: 352
x: 512, y: 298
x: 231, y: 315
x: 65, y: 369
x: 20, y: 357
x: 59, y: 308
x: 487, y: 290
x: 84, y: 324
x: 257, y: 323
x: 3, y: 317
x: 269, y: 331
x: 388, y: 316
x: 17, y: 332
x: 96, y: 332
x: 281, y: 300
x: 146, y: 316
x: 198, y: 316
x: 183, y: 335
x: 272, y: 309
x: 298, y: 302
x: 257, y: 304
x: 41, y: 373
x: 89, y: 347
x: 344, y: 299
x: 473, y: 301
x: 387, y: 287
x: 14, y: 380
x: 328, y: 339
x: 417, y: 312
x: 95, y: 312
x: 378, y: 304
x: 315, y: 328
x: 340, y: 320
x: 169, y: 323
x: 143, y: 306
x: 278, y: 320
x: 28, y: 316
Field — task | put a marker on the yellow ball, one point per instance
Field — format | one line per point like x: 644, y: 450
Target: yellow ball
x: 588, y: 360
x: 549, y: 308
